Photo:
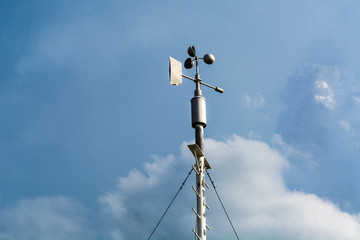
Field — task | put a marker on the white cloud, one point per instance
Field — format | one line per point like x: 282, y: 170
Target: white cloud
x: 43, y: 218
x: 290, y: 151
x: 318, y: 117
x: 356, y: 99
x: 139, y: 197
x: 327, y: 101
x: 323, y: 94
x: 134, y: 183
x: 346, y: 125
x: 256, y: 101
x: 116, y: 235
x: 248, y: 175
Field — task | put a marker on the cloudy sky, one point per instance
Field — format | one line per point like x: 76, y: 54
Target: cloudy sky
x: 93, y: 138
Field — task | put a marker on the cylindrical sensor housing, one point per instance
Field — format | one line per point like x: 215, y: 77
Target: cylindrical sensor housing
x: 198, y: 111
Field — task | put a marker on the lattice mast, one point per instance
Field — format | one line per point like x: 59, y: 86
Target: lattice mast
x: 198, y: 116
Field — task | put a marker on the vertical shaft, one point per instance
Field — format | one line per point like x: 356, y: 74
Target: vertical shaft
x: 198, y: 110
x: 199, y: 136
x: 200, y: 186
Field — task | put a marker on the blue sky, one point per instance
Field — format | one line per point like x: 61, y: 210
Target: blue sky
x: 93, y: 137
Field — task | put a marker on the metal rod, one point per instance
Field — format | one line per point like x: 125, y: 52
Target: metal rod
x: 208, y: 85
x: 197, y: 236
x: 197, y: 194
x: 199, y: 124
x: 196, y: 170
x: 220, y: 90
x: 188, y: 77
x: 196, y: 213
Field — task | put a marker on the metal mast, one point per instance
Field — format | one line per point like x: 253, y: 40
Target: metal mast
x: 198, y: 116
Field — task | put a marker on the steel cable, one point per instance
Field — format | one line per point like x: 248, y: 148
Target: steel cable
x: 217, y: 194
x: 170, y: 203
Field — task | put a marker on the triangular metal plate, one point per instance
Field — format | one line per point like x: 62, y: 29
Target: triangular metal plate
x: 196, y: 151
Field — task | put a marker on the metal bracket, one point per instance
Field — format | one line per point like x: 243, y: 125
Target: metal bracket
x: 196, y: 151
x: 196, y: 213
x: 195, y: 191
x: 195, y: 170
x: 196, y: 234
x: 207, y: 206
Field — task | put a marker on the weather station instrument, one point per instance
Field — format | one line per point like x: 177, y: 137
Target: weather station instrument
x: 198, y: 117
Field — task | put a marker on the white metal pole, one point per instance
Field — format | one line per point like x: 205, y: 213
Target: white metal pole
x: 198, y: 109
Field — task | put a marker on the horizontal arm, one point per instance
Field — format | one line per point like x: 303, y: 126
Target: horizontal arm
x: 220, y: 90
